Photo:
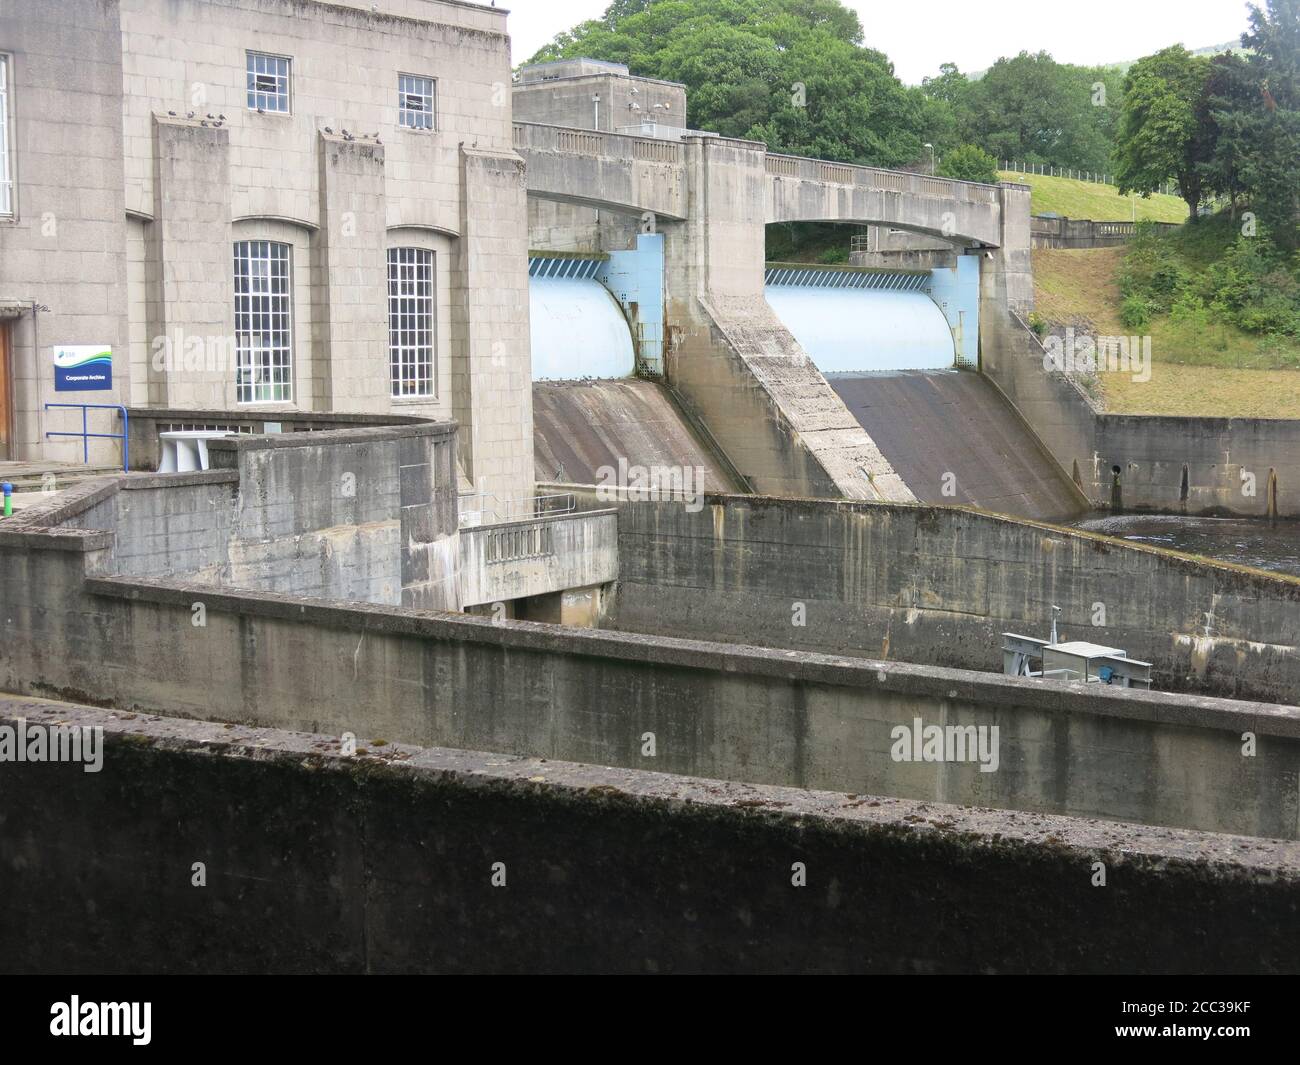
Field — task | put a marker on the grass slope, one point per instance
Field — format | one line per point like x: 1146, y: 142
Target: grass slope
x: 1091, y: 199
x: 1203, y: 376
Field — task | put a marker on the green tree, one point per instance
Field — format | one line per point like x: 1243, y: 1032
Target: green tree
x: 946, y: 107
x: 793, y: 73
x: 1274, y: 119
x: 969, y: 163
x: 1230, y: 112
x: 1162, y: 135
x: 1032, y: 108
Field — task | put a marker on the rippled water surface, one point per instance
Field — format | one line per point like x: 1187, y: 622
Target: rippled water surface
x: 1249, y: 542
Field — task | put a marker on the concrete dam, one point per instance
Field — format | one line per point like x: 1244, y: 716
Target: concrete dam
x: 365, y: 659
x: 898, y: 348
x: 591, y: 408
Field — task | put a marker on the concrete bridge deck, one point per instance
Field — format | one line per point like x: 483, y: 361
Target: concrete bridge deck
x: 639, y: 175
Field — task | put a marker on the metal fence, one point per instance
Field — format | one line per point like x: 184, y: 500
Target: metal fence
x: 1170, y: 188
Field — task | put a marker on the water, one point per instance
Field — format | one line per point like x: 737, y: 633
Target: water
x: 1246, y: 541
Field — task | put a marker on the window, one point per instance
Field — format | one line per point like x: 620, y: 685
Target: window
x: 410, y: 321
x: 263, y: 323
x: 415, y: 98
x: 268, y: 82
x: 6, y: 171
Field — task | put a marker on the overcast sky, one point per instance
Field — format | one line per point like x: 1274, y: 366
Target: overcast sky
x: 973, y: 35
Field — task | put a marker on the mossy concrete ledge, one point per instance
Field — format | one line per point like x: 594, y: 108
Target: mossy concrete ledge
x: 314, y: 861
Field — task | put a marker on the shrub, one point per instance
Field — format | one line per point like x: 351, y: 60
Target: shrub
x: 1135, y: 312
x: 969, y: 163
x: 1190, y: 310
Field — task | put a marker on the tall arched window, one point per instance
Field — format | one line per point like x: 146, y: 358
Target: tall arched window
x: 411, y: 340
x: 263, y: 322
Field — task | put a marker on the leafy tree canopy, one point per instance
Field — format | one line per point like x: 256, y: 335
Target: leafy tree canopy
x: 743, y: 63
x: 1161, y: 136
x: 1029, y: 108
x: 969, y: 163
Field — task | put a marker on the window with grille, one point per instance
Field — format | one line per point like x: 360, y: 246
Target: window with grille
x: 415, y: 98
x: 263, y: 322
x: 410, y: 321
x: 268, y: 82
x: 6, y: 173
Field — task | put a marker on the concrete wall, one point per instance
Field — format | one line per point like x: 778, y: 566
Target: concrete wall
x: 774, y: 716
x: 561, y: 94
x: 147, y: 422
x: 1228, y: 464
x: 939, y: 584
x: 519, y: 559
x: 384, y: 863
x: 364, y: 515
x: 1061, y: 232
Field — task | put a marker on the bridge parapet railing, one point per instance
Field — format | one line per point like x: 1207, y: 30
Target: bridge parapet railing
x: 878, y: 178
x: 618, y: 146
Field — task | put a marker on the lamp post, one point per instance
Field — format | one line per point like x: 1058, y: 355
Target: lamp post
x: 931, y: 147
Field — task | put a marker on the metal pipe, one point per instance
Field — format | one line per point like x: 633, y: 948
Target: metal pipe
x: 36, y: 376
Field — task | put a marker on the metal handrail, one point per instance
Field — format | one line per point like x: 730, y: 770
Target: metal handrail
x: 86, y: 435
x: 522, y: 508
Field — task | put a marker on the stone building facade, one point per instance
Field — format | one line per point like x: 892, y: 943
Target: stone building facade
x: 262, y: 205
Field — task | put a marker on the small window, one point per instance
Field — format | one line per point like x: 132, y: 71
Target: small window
x: 6, y: 171
x: 415, y: 99
x: 410, y: 321
x: 268, y: 82
x: 263, y: 322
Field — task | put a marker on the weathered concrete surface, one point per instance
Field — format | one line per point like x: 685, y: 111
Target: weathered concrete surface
x: 384, y: 863
x: 365, y: 514
x: 815, y: 190
x: 582, y: 427
x: 724, y: 711
x: 560, y: 93
x: 600, y: 169
x: 519, y: 559
x: 1060, y: 232
x: 939, y: 585
x: 147, y: 422
x: 745, y: 376
x: 953, y: 438
x: 609, y: 171
x: 876, y: 581
x: 1246, y: 466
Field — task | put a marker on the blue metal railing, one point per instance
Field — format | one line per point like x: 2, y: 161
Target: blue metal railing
x: 86, y: 435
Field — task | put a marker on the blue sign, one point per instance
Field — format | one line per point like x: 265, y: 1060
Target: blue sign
x: 84, y: 368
